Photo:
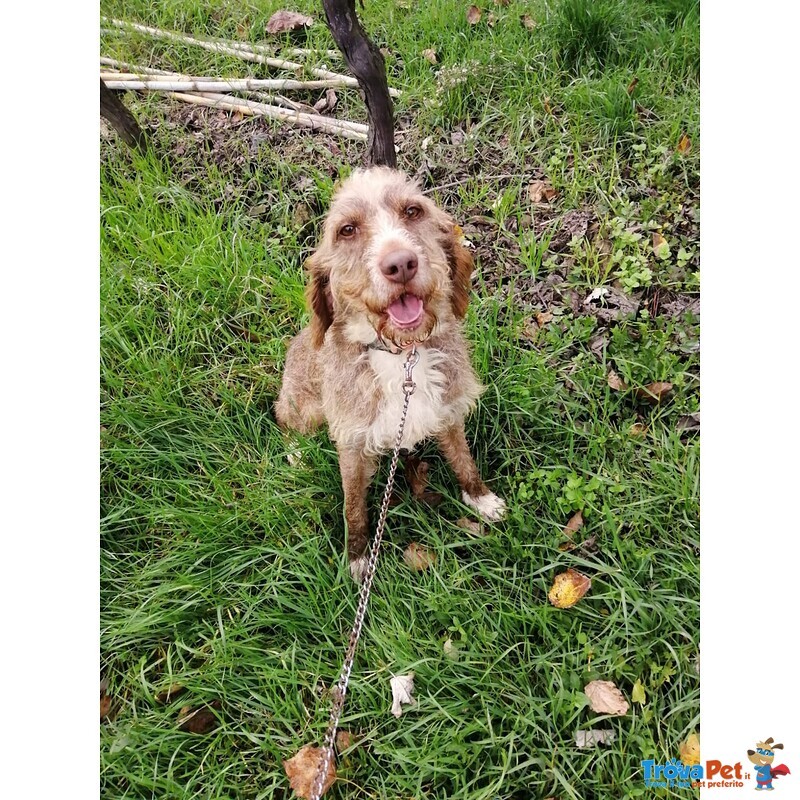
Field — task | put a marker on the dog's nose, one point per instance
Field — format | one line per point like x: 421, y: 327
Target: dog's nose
x: 399, y: 266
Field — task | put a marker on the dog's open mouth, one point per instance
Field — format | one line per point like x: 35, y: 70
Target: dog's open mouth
x: 406, y: 311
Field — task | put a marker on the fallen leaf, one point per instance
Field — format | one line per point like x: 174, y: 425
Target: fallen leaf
x: 458, y: 136
x: 431, y: 499
x: 491, y: 19
x: 596, y: 294
x: 301, y: 770
x: 653, y: 393
x: 688, y: 422
x: 451, y: 650
x: 430, y: 55
x: 605, y: 698
x: 503, y: 3
x: 632, y: 86
x: 199, y: 720
x: 327, y: 102
x: 595, y: 736
x: 284, y: 21
x: 237, y: 117
x: 530, y: 23
x: 105, y: 705
x: 615, y: 382
x: 402, y: 689
x: 543, y: 317
x: 417, y: 474
x: 470, y: 525
x: 574, y: 525
x: 637, y: 430
x: 568, y: 587
x: 539, y: 191
x: 344, y: 741
x: 660, y: 246
x: 690, y: 750
x: 638, y: 693
x: 170, y: 693
x: 684, y: 144
x: 547, y: 107
x: 473, y: 15
x: 418, y: 557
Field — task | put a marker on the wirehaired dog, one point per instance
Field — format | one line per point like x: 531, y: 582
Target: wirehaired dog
x: 389, y: 272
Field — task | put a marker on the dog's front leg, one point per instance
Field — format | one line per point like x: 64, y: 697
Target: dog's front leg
x: 474, y: 491
x: 357, y: 470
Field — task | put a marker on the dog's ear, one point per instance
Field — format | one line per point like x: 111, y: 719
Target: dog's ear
x: 461, y: 266
x: 320, y: 301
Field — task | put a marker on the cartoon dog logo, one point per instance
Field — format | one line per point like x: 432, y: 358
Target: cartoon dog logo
x: 762, y: 757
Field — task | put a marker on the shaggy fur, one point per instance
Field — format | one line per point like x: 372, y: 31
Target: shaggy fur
x: 384, y: 246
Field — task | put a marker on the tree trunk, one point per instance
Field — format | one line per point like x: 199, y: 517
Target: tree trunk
x: 123, y: 122
x: 366, y: 63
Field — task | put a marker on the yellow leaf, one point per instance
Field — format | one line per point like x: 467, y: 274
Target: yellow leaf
x: 684, y: 144
x: 638, y: 695
x: 568, y: 587
x: 690, y: 750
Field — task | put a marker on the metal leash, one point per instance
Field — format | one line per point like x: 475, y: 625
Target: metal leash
x: 340, y: 689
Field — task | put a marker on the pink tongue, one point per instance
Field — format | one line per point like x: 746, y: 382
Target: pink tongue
x: 406, y: 310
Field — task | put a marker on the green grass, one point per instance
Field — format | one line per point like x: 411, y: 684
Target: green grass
x: 222, y: 566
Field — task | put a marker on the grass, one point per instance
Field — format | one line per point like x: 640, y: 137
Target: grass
x: 222, y: 567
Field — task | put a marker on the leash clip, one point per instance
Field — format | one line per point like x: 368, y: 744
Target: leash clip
x: 411, y: 361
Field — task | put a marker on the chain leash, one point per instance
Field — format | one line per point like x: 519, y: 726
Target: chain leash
x: 340, y: 689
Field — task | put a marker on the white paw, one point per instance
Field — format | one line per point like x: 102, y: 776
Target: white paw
x: 491, y: 507
x: 358, y: 568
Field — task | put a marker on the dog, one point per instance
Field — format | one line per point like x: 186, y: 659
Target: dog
x: 390, y: 272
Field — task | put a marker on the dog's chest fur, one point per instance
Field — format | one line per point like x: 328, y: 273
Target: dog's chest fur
x: 427, y: 413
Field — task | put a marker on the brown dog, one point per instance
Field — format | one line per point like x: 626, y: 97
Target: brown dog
x: 389, y: 272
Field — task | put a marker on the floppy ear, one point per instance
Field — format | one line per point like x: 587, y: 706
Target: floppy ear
x: 320, y: 302
x: 461, y: 265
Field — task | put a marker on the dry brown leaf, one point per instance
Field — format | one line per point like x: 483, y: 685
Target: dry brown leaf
x: 418, y: 557
x: 530, y: 23
x: 199, y: 720
x: 474, y: 15
x: 491, y: 19
x: 688, y: 422
x: 605, y: 698
x: 684, y: 144
x: 574, y: 525
x: 653, y: 393
x: 417, y: 475
x: 284, y: 21
x: 541, y: 191
x: 660, y: 246
x: 503, y: 3
x: 637, y: 430
x: 470, y: 525
x: 301, y: 770
x: 543, y: 317
x: 632, y: 86
x: 327, y: 102
x: 615, y: 382
x: 568, y: 587
x: 430, y: 55
x: 105, y: 705
x: 344, y: 741
x: 170, y: 693
x: 690, y: 750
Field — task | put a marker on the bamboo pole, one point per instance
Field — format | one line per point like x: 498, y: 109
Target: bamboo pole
x: 249, y: 108
x: 135, y: 83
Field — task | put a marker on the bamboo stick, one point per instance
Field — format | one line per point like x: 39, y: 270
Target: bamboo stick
x: 136, y: 83
x: 236, y: 50
x: 273, y: 112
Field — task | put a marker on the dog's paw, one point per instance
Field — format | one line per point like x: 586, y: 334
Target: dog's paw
x: 491, y: 507
x: 358, y: 568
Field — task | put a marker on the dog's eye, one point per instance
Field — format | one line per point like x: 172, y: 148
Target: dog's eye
x: 412, y: 212
x: 347, y: 231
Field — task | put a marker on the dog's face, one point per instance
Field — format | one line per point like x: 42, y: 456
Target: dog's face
x: 389, y: 265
